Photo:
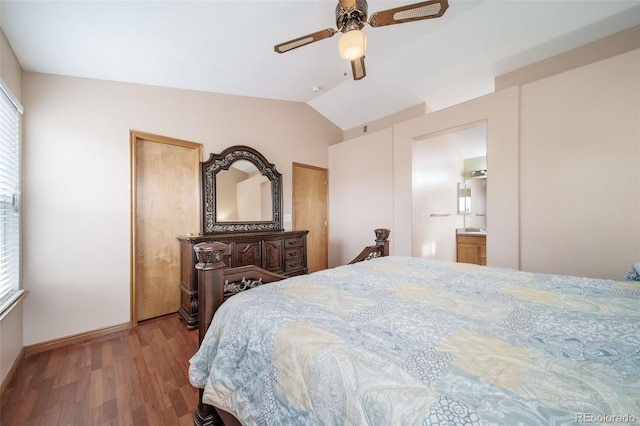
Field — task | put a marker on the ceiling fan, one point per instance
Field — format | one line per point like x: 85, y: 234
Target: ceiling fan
x: 351, y: 17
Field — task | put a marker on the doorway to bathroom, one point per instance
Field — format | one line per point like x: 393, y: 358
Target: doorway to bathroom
x: 441, y: 162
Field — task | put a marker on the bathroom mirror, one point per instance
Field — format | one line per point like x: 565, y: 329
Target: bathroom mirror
x: 241, y: 192
x: 464, y: 198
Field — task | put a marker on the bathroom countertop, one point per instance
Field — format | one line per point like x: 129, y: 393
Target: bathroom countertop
x: 471, y: 231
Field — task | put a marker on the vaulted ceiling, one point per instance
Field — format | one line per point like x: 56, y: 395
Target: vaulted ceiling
x: 227, y: 47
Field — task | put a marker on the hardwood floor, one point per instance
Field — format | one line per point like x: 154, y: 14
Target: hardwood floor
x: 136, y: 377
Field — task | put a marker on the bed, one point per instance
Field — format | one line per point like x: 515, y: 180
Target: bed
x: 410, y: 341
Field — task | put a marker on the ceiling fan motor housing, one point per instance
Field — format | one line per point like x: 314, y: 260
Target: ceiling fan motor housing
x: 353, y: 17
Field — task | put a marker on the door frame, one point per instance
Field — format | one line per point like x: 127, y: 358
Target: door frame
x: 134, y: 137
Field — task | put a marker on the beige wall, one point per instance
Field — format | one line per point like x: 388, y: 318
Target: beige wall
x: 360, y: 194
x: 11, y: 324
x: 500, y: 110
x: 563, y: 192
x: 386, y: 122
x: 10, y: 69
x: 76, y: 185
x: 607, y: 47
x: 580, y: 170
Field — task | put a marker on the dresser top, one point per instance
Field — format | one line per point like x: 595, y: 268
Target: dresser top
x: 235, y: 236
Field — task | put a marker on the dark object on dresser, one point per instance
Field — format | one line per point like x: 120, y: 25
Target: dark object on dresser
x: 281, y: 252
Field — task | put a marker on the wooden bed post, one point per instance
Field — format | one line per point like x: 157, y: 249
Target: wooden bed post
x: 382, y: 239
x: 381, y: 248
x: 210, y: 272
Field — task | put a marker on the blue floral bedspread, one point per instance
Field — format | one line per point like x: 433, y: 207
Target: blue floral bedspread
x: 411, y: 341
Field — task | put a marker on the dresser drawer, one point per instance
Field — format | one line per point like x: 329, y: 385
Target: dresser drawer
x: 294, y: 241
x: 293, y: 264
x: 291, y: 253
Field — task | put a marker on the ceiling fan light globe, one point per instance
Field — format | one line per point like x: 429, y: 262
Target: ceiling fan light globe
x: 352, y: 45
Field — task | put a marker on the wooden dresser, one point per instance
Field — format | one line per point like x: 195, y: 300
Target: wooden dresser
x: 282, y: 252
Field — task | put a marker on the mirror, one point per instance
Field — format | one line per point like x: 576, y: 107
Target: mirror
x: 242, y: 192
x: 464, y: 198
x: 472, y: 202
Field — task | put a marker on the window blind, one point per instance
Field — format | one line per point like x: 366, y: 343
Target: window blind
x: 9, y: 198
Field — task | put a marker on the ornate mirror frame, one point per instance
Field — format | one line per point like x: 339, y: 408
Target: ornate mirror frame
x: 218, y: 162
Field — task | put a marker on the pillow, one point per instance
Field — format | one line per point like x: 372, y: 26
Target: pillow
x: 633, y: 274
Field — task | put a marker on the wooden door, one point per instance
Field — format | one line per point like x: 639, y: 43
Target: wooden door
x: 310, y: 189
x: 165, y: 204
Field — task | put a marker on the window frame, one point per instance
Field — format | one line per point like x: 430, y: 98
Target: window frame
x: 10, y: 149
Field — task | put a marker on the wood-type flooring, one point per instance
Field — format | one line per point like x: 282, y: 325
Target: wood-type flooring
x: 135, y: 377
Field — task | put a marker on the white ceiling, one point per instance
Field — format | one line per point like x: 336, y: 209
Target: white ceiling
x: 227, y: 47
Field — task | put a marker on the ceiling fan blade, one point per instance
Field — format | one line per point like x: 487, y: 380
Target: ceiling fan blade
x: 357, y: 68
x: 304, y: 40
x: 347, y: 3
x: 409, y: 13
